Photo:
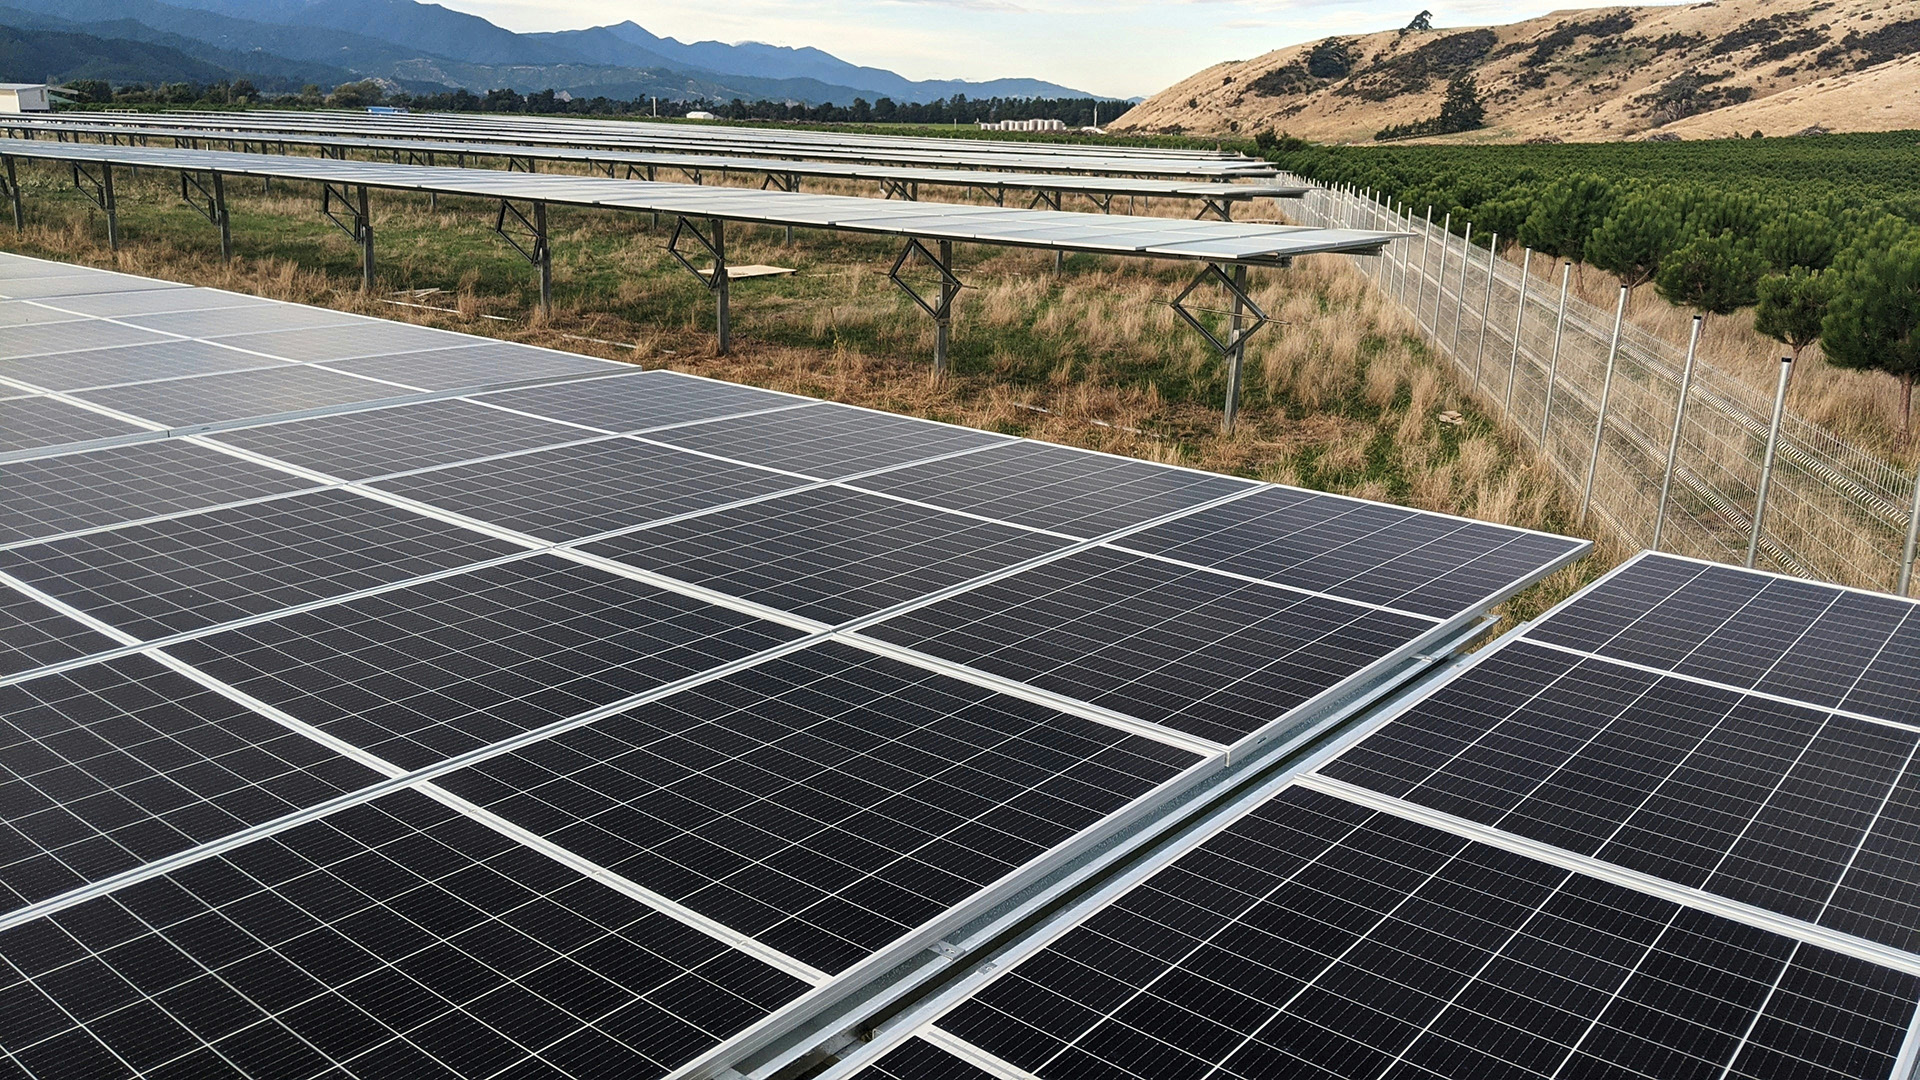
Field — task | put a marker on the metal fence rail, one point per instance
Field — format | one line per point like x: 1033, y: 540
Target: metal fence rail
x: 1540, y: 360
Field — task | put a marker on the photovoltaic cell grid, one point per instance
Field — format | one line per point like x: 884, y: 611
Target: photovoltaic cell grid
x: 1718, y: 761
x: 826, y: 802
x: 394, y: 938
x: 1314, y: 937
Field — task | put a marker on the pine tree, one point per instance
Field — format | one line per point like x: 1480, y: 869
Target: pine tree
x: 1873, y: 321
x: 1568, y: 212
x: 1792, y: 306
x: 1633, y: 241
x: 1716, y: 274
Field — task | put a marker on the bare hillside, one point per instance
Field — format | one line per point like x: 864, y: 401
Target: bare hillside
x: 1696, y: 71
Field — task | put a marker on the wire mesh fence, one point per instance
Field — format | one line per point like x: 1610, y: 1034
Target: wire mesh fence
x: 1598, y: 397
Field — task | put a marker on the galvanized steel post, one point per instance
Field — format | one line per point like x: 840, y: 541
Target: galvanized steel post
x: 1420, y: 283
x: 723, y: 334
x: 1766, y: 463
x: 1440, y: 282
x: 1519, y: 315
x: 1553, y: 362
x: 1486, y: 311
x: 366, y: 241
x: 942, y: 324
x: 220, y: 213
x: 1236, y: 350
x: 543, y: 257
x: 1460, y: 289
x: 107, y: 204
x: 1606, y: 395
x: 13, y: 191
x: 1673, y: 443
x: 1913, y: 538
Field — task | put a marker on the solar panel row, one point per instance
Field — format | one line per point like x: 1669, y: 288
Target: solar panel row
x: 1665, y: 831
x: 537, y: 728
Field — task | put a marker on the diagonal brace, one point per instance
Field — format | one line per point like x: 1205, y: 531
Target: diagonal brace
x: 99, y: 190
x: 536, y: 249
x: 209, y: 200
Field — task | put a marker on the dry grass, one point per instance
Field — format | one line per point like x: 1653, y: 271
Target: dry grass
x: 1341, y: 396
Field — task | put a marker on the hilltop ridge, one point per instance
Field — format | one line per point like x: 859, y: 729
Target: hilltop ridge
x: 1713, y: 69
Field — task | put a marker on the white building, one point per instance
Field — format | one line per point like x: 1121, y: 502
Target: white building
x: 23, y: 97
x: 1024, y: 125
x: 699, y: 114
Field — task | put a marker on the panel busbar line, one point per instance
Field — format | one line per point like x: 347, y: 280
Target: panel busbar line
x: 1312, y: 936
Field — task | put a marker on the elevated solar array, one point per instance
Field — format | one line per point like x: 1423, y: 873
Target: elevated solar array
x: 1099, y: 159
x: 1668, y: 831
x: 377, y: 701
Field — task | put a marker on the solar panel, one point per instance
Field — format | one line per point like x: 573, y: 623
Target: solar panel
x: 472, y: 365
x: 51, y: 496
x: 1055, y: 487
x: 1314, y: 937
x: 638, y: 401
x: 1205, y: 654
x: 827, y: 441
x: 130, y: 364
x: 115, y: 764
x: 823, y: 803
x: 584, y: 489
x: 363, y: 337
x: 423, y: 673
x: 15, y: 313
x: 379, y: 442
x: 209, y: 399
x: 193, y: 571
x: 828, y: 554
x: 394, y: 938
x: 28, y: 423
x: 1716, y: 760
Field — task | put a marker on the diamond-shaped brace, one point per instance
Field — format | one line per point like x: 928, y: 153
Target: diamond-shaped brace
x: 680, y: 226
x: 1253, y: 312
x: 941, y: 310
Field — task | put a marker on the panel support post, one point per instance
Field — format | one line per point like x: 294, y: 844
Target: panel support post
x: 1553, y: 362
x: 214, y: 193
x: 1243, y: 319
x: 1606, y: 396
x: 101, y: 194
x: 1486, y: 309
x: 13, y: 196
x: 723, y: 321
x: 1236, y: 352
x: 940, y: 310
x: 1766, y: 463
x: 714, y: 278
x: 226, y: 223
x: 1519, y: 315
x: 1673, y: 442
x: 537, y: 250
x: 366, y: 241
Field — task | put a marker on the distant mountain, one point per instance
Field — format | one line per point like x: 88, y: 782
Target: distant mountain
x: 420, y: 43
x: 124, y: 50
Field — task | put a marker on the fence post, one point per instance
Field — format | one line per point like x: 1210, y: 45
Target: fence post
x: 1440, y: 281
x: 1553, y: 363
x: 1460, y: 288
x: 1606, y: 393
x: 1519, y: 316
x: 1420, y: 283
x: 1766, y: 463
x: 1486, y: 309
x: 1673, y: 444
x: 1913, y: 536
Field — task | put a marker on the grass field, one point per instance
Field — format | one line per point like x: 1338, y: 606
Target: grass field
x: 1341, y: 395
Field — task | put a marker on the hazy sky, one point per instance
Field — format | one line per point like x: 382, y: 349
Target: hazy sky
x: 1114, y: 47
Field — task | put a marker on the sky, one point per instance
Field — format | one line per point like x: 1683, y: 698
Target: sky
x: 1116, y: 48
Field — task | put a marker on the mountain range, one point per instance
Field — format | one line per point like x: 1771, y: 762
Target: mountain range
x: 426, y: 48
x: 1701, y: 70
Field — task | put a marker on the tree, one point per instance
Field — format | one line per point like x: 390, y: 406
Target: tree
x: 98, y: 91
x: 1791, y: 307
x: 355, y: 95
x: 1873, y: 319
x: 1422, y: 21
x: 1462, y: 110
x: 243, y: 91
x: 1793, y: 238
x: 1633, y: 241
x: 1716, y: 274
x: 311, y: 94
x: 1568, y: 212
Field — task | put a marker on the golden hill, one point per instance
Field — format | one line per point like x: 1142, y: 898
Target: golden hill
x: 1704, y: 70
